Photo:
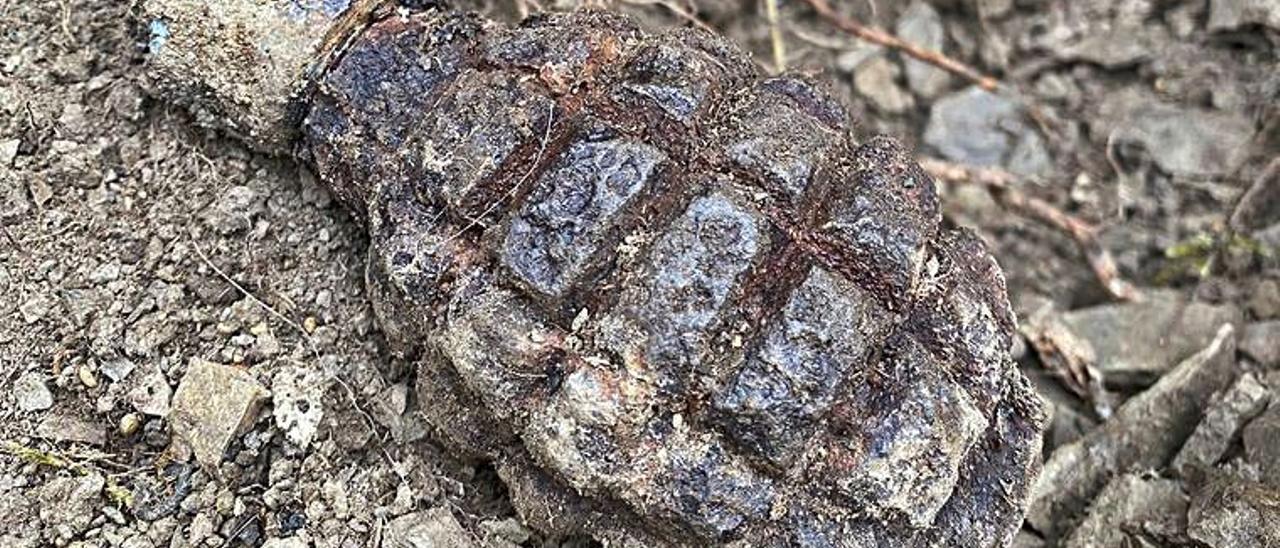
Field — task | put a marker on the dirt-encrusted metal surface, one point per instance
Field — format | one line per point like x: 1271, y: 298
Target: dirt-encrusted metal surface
x: 669, y: 297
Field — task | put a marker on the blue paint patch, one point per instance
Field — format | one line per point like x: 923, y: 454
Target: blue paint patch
x: 301, y: 9
x: 159, y: 35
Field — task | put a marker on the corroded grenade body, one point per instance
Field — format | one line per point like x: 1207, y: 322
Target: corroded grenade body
x: 670, y: 297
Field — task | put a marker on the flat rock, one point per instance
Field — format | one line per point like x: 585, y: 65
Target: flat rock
x: 1264, y: 302
x: 1183, y: 142
x: 1145, y: 433
x: 921, y: 25
x: 1129, y: 502
x: 434, y: 528
x: 68, y: 504
x: 286, y: 542
x: 151, y: 393
x: 1262, y: 444
x: 1116, y: 49
x: 235, y: 210
x: 1027, y: 540
x: 31, y: 392
x: 69, y: 428
x: 875, y: 79
x: 983, y: 129
x: 1222, y: 423
x: 1230, y: 513
x: 1259, y: 207
x: 1135, y: 343
x: 1233, y: 14
x: 297, y: 402
x: 214, y: 404
x: 13, y: 197
x: 1261, y: 342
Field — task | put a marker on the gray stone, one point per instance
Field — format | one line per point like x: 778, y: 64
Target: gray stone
x: 921, y: 25
x: 68, y: 428
x: 214, y: 404
x: 1135, y: 343
x: 1264, y: 302
x: 9, y: 151
x: 1222, y: 423
x: 116, y: 369
x: 1262, y: 444
x: 1145, y: 433
x: 234, y: 210
x: 1230, y: 513
x: 1115, y: 49
x: 1128, y: 502
x: 13, y: 198
x: 983, y: 129
x: 1261, y: 341
x: 287, y: 542
x: 31, y: 393
x: 151, y: 393
x: 1027, y: 540
x: 434, y: 528
x: 67, y: 504
x: 1183, y: 142
x: 876, y: 79
x: 1259, y: 207
x: 297, y: 402
x: 149, y: 333
x: 509, y: 529
x: 994, y: 8
x: 36, y: 308
x: 1233, y: 14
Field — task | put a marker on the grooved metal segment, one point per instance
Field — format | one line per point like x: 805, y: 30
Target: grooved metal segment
x: 574, y: 206
x: 691, y: 309
x: 663, y: 320
x: 826, y: 333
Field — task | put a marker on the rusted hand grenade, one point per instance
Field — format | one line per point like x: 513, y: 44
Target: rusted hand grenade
x: 668, y: 296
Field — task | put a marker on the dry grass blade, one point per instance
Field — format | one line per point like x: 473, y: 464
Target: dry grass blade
x: 775, y: 36
x: 1000, y: 183
x: 877, y: 36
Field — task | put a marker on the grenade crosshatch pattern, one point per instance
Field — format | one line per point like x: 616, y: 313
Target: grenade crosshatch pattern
x: 670, y: 296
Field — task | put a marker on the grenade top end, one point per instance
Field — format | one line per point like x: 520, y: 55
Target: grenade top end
x: 245, y: 66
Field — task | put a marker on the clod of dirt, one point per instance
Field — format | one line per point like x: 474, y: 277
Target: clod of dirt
x: 668, y: 297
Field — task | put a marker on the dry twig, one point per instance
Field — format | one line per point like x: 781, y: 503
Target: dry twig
x: 877, y: 36
x: 1000, y: 183
x: 935, y: 58
x: 683, y: 13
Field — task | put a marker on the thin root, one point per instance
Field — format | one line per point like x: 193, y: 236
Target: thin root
x: 680, y: 11
x: 877, y: 36
x: 1000, y: 183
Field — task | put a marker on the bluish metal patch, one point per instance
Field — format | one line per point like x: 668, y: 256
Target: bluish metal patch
x: 159, y: 35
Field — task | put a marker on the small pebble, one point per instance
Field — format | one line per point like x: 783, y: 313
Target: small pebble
x: 87, y: 376
x: 130, y: 423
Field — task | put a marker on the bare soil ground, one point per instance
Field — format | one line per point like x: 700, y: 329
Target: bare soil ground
x: 134, y: 243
